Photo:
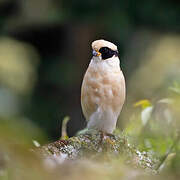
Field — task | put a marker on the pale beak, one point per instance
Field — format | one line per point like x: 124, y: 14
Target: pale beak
x: 96, y: 53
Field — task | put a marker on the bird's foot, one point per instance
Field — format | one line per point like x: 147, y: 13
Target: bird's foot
x: 107, y: 137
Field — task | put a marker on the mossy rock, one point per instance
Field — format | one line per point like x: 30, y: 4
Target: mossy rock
x: 96, y: 145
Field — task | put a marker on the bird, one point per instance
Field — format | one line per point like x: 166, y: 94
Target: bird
x: 103, y: 88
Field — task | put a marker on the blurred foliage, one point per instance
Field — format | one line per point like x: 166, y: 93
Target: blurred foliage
x: 46, y: 45
x: 44, y: 52
x: 18, y: 62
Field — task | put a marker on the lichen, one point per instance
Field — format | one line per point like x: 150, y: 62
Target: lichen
x: 95, y: 144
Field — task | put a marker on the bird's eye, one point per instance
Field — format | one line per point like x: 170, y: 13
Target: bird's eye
x: 107, y: 53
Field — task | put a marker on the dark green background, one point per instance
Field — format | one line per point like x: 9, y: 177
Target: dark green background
x: 62, y: 32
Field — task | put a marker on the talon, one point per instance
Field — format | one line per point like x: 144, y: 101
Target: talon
x: 110, y: 141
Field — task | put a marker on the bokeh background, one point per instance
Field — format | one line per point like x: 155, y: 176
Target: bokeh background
x: 45, y: 48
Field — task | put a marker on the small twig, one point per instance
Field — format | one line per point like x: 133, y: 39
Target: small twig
x: 168, y: 153
x: 64, y: 127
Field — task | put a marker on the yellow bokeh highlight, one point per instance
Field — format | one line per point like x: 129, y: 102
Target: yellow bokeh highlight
x: 18, y: 65
x: 143, y: 103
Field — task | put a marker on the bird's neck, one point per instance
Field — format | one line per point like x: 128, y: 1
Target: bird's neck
x: 112, y: 63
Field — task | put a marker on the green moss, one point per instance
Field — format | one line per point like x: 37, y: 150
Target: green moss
x: 94, y: 144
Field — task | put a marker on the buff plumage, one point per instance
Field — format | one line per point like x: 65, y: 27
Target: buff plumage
x: 103, y: 89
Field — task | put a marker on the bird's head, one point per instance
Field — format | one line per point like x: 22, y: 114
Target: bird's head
x: 104, y: 49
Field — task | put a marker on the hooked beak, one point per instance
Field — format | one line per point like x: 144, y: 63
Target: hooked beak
x: 96, y: 53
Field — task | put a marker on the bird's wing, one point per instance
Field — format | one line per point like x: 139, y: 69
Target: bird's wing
x: 88, y: 99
